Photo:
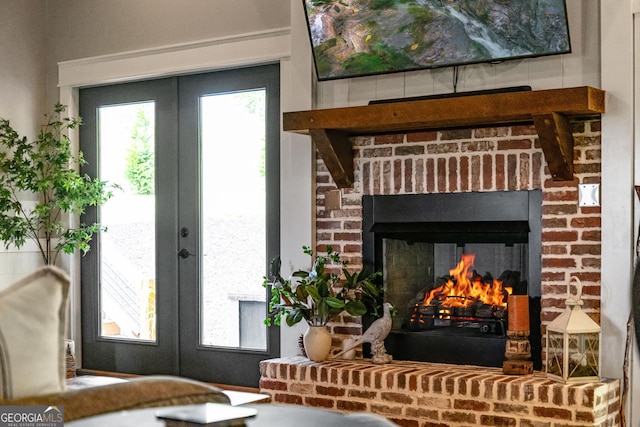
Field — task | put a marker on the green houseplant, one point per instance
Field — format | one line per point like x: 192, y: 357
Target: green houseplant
x: 320, y: 295
x: 46, y: 168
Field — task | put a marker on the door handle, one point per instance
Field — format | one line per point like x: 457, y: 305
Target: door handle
x: 184, y: 253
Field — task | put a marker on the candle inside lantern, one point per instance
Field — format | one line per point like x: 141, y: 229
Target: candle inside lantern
x: 518, y: 310
x: 350, y: 352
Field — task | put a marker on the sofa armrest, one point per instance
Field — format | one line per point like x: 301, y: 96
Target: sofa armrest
x: 140, y: 392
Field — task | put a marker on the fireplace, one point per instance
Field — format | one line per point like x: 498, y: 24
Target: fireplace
x: 500, y: 159
x: 490, y: 161
x: 449, y: 262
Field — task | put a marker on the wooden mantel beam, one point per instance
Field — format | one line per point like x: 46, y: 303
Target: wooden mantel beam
x: 549, y: 110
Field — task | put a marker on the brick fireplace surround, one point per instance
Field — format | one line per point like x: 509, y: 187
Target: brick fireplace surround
x: 426, y: 394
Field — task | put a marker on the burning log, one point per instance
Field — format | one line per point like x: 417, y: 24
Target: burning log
x: 464, y: 294
x: 469, y: 286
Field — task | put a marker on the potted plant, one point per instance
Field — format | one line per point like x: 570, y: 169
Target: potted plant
x: 320, y: 295
x: 46, y: 168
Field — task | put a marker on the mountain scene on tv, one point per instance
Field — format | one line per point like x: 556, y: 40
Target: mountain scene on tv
x: 364, y: 37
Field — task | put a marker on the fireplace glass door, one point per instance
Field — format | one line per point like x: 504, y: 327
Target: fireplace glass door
x: 451, y: 286
x: 449, y: 263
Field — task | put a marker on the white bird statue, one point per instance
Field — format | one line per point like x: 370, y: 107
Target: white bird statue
x: 375, y: 335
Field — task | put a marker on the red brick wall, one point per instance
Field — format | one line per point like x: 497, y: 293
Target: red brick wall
x: 484, y: 159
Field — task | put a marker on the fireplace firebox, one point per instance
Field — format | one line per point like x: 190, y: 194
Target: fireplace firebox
x: 449, y: 262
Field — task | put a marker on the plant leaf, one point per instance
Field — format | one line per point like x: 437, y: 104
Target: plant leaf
x: 323, y: 289
x: 313, y: 292
x: 334, y: 302
x: 323, y: 309
x: 294, y: 317
x: 356, y: 308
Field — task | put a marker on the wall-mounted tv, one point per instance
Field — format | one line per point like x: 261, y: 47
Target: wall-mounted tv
x: 353, y: 38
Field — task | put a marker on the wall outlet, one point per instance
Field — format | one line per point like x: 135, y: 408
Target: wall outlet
x: 333, y: 200
x: 588, y: 195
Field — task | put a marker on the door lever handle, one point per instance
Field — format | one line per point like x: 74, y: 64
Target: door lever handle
x: 184, y: 253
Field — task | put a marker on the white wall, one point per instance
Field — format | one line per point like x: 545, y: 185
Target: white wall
x: 618, y: 196
x: 22, y: 99
x: 83, y: 28
x: 22, y: 73
x: 297, y: 192
x: 86, y: 28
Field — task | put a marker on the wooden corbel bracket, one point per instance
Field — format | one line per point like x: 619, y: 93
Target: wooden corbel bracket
x: 556, y: 140
x: 337, y: 154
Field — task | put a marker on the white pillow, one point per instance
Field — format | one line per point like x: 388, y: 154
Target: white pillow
x: 33, y: 323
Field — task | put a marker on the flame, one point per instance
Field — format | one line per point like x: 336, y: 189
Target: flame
x: 467, y: 288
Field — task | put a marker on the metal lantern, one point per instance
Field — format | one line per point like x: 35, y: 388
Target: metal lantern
x: 573, y: 343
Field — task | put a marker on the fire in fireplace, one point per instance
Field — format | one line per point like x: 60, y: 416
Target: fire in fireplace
x: 465, y: 299
x: 455, y: 314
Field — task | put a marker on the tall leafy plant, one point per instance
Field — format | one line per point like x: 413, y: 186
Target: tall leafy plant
x: 46, y: 168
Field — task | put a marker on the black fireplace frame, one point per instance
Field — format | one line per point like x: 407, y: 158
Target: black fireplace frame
x: 438, y: 217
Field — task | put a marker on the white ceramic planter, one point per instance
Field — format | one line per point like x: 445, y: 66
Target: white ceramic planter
x: 317, y: 343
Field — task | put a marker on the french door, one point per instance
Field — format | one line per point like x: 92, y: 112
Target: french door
x: 174, y: 285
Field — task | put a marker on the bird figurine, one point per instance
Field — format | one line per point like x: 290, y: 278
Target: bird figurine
x: 375, y: 335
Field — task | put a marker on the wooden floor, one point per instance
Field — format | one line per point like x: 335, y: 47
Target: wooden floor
x: 122, y: 375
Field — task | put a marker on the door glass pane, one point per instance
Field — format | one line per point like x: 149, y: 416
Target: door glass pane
x: 233, y: 219
x: 127, y: 262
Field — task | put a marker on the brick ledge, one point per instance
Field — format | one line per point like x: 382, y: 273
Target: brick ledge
x: 430, y: 394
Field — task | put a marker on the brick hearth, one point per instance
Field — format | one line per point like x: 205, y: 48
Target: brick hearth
x: 420, y: 394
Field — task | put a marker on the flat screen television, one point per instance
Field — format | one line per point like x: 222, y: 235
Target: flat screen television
x: 352, y: 38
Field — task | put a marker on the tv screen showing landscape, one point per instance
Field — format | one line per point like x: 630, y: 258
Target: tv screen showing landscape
x: 364, y: 37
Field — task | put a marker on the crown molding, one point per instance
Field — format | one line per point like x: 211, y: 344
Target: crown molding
x: 203, y: 55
